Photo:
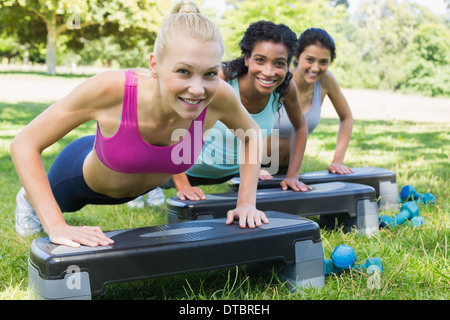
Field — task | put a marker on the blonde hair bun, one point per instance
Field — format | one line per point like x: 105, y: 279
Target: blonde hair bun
x: 186, y: 20
x: 185, y: 6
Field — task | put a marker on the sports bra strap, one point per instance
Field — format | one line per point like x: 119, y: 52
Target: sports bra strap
x: 129, y: 112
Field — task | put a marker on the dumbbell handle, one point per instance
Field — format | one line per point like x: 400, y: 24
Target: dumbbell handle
x: 416, y: 194
x: 369, y: 262
x: 330, y: 268
x: 402, y: 216
x: 406, y: 213
x: 409, y: 191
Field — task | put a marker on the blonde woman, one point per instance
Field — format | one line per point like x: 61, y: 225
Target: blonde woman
x: 133, y: 150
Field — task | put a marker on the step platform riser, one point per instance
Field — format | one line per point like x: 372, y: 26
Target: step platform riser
x: 352, y: 205
x: 382, y: 180
x: 292, y: 242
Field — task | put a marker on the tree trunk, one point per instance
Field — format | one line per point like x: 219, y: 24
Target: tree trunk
x: 52, y: 37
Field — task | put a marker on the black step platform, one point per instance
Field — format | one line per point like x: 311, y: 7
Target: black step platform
x: 60, y: 272
x: 382, y: 180
x: 353, y: 204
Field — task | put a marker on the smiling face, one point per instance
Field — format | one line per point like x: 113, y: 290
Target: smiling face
x: 267, y: 65
x: 313, y: 62
x: 188, y: 75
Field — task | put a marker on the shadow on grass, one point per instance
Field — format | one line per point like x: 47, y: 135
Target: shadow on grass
x: 20, y: 113
x: 44, y: 74
x: 399, y: 141
x: 405, y: 132
x: 15, y: 116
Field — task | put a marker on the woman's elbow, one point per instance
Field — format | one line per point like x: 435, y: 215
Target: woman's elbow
x: 14, y: 147
x: 17, y: 147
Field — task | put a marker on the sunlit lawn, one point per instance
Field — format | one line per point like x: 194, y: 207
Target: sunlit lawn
x: 415, y: 260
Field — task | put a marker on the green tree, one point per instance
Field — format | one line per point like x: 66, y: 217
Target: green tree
x: 394, y: 45
x: 9, y: 48
x: 62, y: 16
x: 429, y: 61
x: 298, y: 15
x: 27, y: 31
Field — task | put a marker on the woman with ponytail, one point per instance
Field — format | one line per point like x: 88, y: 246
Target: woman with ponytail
x: 315, y: 52
x: 134, y: 149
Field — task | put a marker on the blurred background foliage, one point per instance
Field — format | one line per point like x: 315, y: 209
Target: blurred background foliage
x: 382, y: 44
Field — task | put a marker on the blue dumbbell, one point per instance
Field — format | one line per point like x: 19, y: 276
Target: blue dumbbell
x: 409, y: 193
x: 342, y: 258
x: 408, y: 211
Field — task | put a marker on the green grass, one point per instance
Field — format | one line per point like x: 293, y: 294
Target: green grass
x: 415, y: 260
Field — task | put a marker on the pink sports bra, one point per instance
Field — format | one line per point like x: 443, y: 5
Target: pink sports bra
x: 127, y: 152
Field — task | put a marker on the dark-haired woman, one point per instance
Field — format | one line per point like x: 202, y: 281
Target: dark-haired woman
x: 315, y: 52
x: 261, y: 78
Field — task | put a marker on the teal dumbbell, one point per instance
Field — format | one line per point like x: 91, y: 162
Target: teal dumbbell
x: 415, y: 222
x: 330, y: 268
x: 371, y: 266
x: 409, y: 193
x: 408, y: 211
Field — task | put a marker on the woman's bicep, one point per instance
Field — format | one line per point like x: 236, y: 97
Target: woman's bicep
x: 337, y: 97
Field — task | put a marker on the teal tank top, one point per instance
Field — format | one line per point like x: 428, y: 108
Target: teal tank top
x: 219, y: 156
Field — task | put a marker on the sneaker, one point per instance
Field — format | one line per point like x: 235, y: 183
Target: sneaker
x: 156, y: 197
x: 27, y: 221
x: 137, y: 203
